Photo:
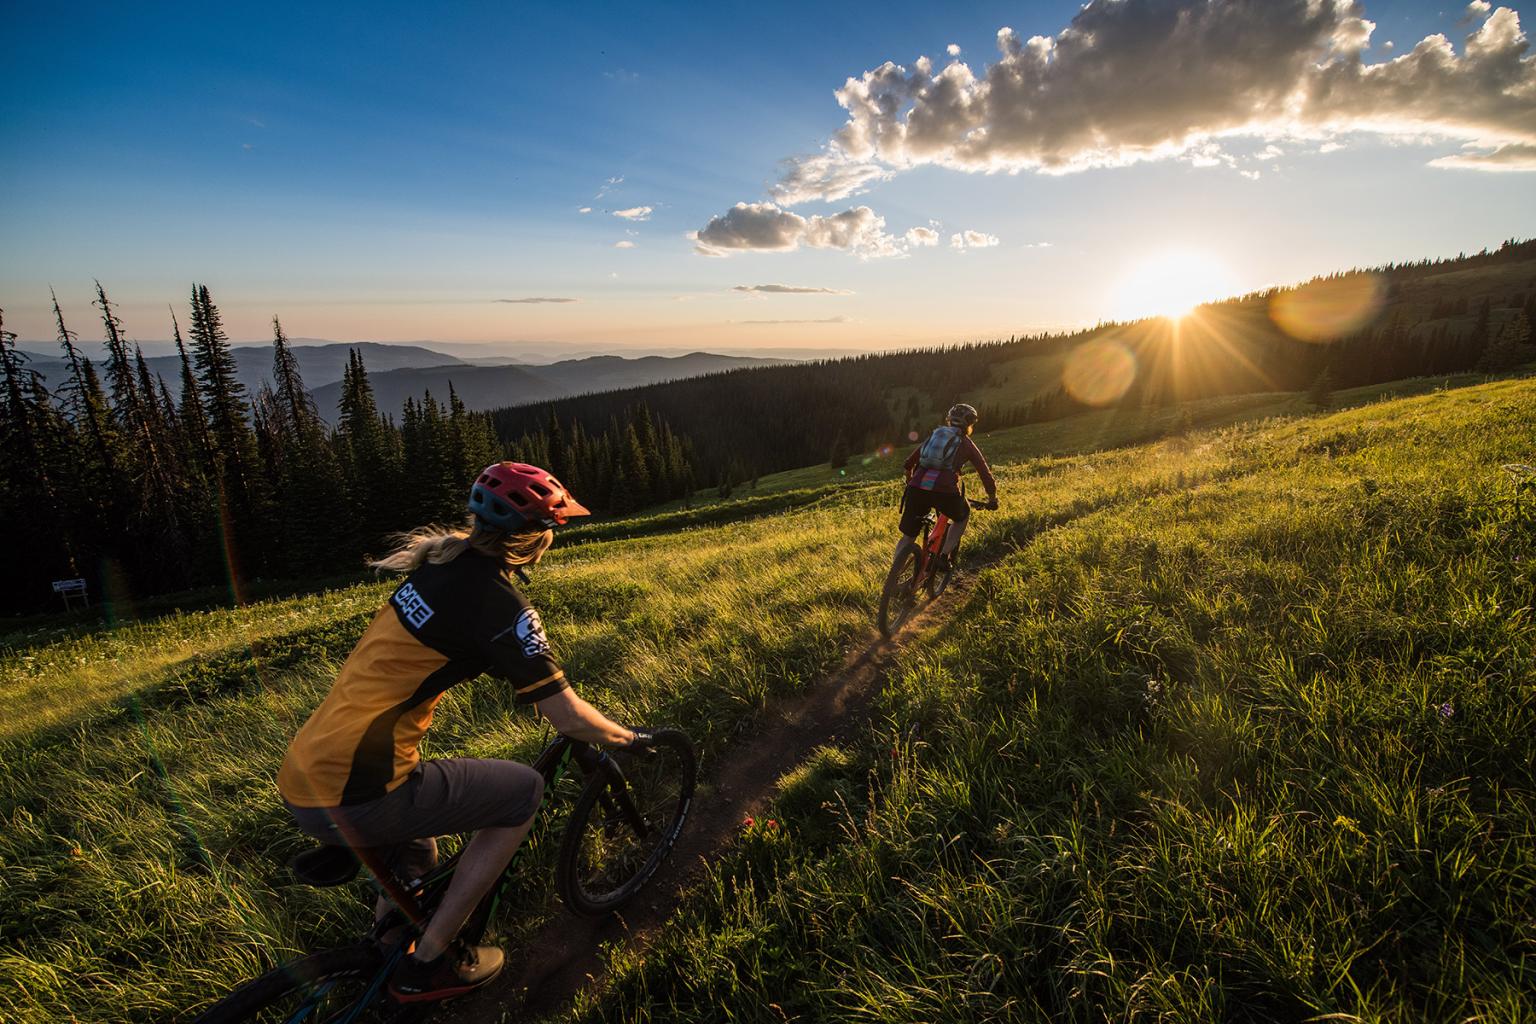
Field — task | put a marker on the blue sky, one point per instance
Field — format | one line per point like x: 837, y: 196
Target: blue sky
x: 387, y: 172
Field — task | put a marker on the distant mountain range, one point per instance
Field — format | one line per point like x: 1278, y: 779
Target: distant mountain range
x: 494, y: 387
x: 398, y: 372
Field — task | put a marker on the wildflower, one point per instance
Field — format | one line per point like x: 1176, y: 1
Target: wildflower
x: 1447, y: 710
x: 770, y: 824
x: 748, y: 821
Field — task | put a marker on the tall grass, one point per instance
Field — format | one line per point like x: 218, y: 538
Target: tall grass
x: 141, y: 864
x: 1257, y: 746
x: 1183, y: 754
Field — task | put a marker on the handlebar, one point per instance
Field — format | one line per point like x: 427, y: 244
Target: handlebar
x: 989, y: 506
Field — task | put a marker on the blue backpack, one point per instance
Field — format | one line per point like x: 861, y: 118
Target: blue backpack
x: 938, y: 452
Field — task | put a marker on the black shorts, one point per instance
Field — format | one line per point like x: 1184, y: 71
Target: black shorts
x: 916, y: 503
x: 439, y: 798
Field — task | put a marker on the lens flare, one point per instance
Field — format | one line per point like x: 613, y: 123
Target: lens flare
x: 1326, y: 310
x: 1099, y: 372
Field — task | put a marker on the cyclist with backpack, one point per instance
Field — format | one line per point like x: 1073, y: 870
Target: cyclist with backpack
x: 353, y: 775
x: 933, y: 480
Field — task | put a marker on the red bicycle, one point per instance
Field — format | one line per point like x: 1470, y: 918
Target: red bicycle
x: 922, y: 569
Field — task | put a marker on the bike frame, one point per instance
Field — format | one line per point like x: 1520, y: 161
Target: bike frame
x: 552, y: 763
x: 412, y: 902
x: 411, y: 907
x: 935, y: 529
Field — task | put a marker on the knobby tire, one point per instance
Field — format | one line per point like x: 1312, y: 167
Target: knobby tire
x: 603, y: 862
x: 899, y: 596
x: 333, y: 980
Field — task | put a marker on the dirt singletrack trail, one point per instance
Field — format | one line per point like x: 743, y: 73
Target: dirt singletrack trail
x: 565, y: 956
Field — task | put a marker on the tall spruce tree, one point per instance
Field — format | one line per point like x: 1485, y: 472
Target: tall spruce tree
x: 242, y: 497
x: 371, y: 453
x: 302, y: 466
x: 84, y: 402
x: 197, y: 440
x: 34, y: 447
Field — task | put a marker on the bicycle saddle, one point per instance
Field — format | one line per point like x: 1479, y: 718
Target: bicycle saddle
x: 325, y: 866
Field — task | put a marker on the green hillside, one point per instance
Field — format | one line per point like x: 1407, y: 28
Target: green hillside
x: 1236, y: 724
x: 1249, y: 738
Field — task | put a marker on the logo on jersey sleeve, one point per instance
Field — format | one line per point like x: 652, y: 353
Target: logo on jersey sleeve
x: 530, y: 634
x: 415, y: 610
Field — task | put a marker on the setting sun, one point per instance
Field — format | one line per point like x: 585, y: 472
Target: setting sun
x: 1171, y: 284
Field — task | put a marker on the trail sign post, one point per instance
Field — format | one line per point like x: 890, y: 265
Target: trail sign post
x: 71, y: 589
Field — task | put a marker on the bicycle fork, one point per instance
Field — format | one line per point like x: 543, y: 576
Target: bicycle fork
x: 616, y: 801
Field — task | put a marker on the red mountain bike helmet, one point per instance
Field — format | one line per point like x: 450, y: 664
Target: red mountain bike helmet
x: 515, y: 496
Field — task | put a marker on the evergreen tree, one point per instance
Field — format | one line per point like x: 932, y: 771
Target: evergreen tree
x: 637, y: 476
x: 1321, y: 393
x: 559, y: 458
x: 242, y: 501
x: 302, y: 465
x: 84, y: 403
x: 371, y: 456
x: 839, y: 457
x: 34, y: 442
x: 120, y: 375
x: 621, y: 492
x: 196, y: 438
x: 1512, y: 347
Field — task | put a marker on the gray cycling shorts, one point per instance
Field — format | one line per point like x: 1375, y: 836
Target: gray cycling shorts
x: 441, y: 797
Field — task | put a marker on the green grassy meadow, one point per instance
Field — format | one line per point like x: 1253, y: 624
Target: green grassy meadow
x: 1252, y: 741
x: 1238, y: 724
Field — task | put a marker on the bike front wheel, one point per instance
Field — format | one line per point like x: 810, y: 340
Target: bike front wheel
x: 940, y: 578
x: 335, y: 985
x: 900, y: 594
x: 624, y: 824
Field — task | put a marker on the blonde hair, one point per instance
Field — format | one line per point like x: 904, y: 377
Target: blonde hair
x: 439, y: 544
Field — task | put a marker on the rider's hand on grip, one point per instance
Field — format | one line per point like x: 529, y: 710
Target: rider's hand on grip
x: 644, y: 740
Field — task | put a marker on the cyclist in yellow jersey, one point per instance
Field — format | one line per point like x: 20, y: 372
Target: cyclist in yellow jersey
x: 353, y: 774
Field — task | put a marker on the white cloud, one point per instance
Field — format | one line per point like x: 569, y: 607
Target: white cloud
x: 1478, y: 8
x: 764, y: 227
x: 624, y: 244
x: 827, y: 177
x: 584, y: 209
x: 634, y: 213
x: 953, y: 49
x: 1512, y: 157
x: 1204, y: 70
x: 917, y: 237
x: 972, y: 240
x: 536, y: 300
x: 609, y: 186
x: 787, y: 289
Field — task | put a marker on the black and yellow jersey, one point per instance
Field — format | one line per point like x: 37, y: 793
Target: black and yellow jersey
x: 444, y: 624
